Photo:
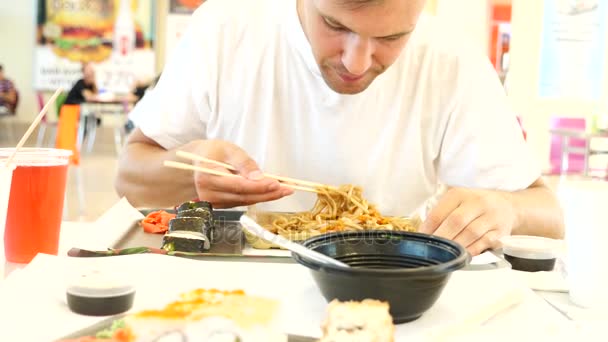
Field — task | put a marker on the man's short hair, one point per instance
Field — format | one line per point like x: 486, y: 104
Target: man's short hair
x: 1, y: 67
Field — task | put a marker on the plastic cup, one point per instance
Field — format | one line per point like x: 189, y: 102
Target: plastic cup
x: 35, y: 204
x: 6, y: 174
x: 586, y: 237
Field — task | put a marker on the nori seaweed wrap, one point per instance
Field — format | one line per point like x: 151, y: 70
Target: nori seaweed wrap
x: 185, y: 242
x: 193, y: 205
x: 189, y: 224
x: 203, y: 213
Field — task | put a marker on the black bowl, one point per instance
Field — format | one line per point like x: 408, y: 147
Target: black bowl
x: 407, y: 270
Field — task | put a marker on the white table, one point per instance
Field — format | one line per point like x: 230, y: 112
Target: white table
x: 91, y: 110
x: 71, y: 233
x: 505, y: 322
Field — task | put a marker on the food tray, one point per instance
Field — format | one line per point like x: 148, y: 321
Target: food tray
x: 228, y: 239
x: 228, y: 242
x: 227, y: 235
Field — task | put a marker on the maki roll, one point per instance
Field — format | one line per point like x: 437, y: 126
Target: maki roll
x: 189, y: 224
x: 203, y: 213
x: 194, y: 205
x: 185, y: 242
x: 187, y: 234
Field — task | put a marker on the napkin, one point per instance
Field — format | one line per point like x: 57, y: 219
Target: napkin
x: 485, y: 258
x: 110, y: 227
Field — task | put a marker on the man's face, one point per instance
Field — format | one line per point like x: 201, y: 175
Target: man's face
x: 88, y: 74
x: 1, y: 74
x: 354, y: 44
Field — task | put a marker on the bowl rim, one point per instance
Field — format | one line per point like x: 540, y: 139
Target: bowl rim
x: 455, y: 264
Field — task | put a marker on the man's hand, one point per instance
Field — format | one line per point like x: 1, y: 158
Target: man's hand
x: 476, y: 219
x: 227, y: 192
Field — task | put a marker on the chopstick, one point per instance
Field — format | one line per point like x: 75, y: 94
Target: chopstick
x: 184, y: 166
x: 196, y: 157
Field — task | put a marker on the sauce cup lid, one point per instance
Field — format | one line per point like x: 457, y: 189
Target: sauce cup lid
x: 531, y: 247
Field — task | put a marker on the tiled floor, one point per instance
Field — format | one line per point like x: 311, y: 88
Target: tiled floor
x: 90, y: 189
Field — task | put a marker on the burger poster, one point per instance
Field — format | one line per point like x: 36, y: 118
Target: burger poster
x: 117, y: 36
x: 184, y: 6
x: 178, y: 20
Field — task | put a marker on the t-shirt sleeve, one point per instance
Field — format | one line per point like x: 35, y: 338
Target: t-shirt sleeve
x: 176, y: 110
x: 483, y: 145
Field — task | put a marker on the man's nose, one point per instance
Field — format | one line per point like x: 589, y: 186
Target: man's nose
x: 357, y: 55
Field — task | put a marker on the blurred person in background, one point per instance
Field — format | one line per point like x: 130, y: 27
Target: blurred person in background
x: 8, y: 95
x: 85, y: 89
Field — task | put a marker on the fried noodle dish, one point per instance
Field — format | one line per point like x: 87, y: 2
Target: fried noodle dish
x: 339, y: 209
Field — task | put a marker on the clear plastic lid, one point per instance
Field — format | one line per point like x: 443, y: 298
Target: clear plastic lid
x: 35, y: 156
x: 99, y: 282
x: 531, y: 247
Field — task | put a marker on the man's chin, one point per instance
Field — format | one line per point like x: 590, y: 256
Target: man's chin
x: 347, y: 88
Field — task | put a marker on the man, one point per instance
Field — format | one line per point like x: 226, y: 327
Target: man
x: 8, y: 94
x: 85, y: 89
x: 339, y: 91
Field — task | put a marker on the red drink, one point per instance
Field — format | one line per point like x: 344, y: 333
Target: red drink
x: 35, y: 205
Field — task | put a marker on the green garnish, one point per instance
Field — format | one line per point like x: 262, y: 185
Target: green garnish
x: 109, y: 333
x: 169, y: 247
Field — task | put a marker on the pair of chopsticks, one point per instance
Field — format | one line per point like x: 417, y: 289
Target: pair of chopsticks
x: 296, y: 184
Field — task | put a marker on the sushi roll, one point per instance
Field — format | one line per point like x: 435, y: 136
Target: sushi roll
x: 203, y: 213
x: 367, y: 320
x: 209, y: 315
x: 185, y: 242
x: 198, y: 212
x: 189, y: 224
x: 195, y: 205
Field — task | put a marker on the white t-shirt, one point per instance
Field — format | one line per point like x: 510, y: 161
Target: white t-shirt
x: 244, y: 72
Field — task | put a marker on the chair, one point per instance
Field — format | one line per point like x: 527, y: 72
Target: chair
x: 45, y: 123
x: 68, y: 126
x: 571, y: 146
x: 576, y: 160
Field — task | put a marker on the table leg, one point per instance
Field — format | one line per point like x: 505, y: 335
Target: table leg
x: 564, y: 167
x: 586, y: 157
x: 92, y: 130
x: 118, y: 139
x: 81, y: 126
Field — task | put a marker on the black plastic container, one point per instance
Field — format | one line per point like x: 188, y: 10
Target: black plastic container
x: 99, y: 294
x: 407, y: 270
x: 101, y: 305
x: 530, y: 253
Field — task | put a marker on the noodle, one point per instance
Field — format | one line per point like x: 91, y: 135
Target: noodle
x: 341, y: 209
